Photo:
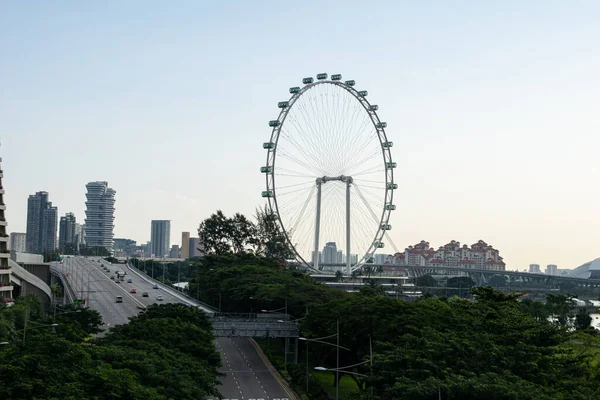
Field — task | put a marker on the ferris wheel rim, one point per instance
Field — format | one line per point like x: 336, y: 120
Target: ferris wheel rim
x: 385, y: 152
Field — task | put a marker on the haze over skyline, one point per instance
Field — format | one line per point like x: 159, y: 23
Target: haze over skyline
x: 492, y: 108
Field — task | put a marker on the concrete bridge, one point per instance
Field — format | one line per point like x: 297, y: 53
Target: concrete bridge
x: 479, y: 276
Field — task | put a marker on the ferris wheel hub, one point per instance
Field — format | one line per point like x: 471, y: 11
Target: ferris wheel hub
x: 341, y: 178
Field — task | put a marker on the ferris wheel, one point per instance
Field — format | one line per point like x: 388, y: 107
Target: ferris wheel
x: 329, y: 174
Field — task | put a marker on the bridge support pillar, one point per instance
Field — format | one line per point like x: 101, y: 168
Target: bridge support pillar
x: 295, y: 350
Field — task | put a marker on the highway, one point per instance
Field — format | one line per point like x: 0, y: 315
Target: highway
x: 246, y: 374
x: 93, y: 284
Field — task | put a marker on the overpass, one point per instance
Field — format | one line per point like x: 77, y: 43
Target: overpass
x: 29, y: 283
x: 247, y: 372
x: 479, y: 276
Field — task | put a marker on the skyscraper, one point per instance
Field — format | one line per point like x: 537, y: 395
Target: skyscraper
x: 196, y: 248
x: 18, y: 242
x: 79, y: 235
x: 185, y: 245
x: 331, y: 255
x: 49, y: 228
x: 36, y: 204
x: 67, y: 233
x: 99, y: 215
x: 160, y: 237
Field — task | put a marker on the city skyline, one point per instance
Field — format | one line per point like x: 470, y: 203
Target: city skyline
x: 487, y: 110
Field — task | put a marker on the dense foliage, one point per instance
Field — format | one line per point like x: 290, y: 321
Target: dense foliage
x: 222, y: 235
x: 248, y: 283
x: 166, y: 353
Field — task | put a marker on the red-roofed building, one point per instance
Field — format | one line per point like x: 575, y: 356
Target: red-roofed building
x: 479, y: 255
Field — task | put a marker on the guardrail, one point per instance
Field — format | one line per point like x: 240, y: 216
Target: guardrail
x: 69, y: 292
x: 169, y: 289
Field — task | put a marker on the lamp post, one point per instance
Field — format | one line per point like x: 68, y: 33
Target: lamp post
x: 88, y: 291
x: 278, y: 309
x: 35, y: 327
x: 4, y: 343
x: 337, y: 356
x: 62, y: 313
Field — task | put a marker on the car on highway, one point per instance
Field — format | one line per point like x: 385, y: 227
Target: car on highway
x: 107, y: 269
x: 159, y: 298
x: 155, y: 287
x: 112, y: 277
x: 145, y: 294
x: 117, y: 281
x: 119, y: 299
x: 129, y: 281
x: 133, y: 291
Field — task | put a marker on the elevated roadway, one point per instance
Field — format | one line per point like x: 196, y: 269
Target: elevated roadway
x: 247, y: 375
x: 93, y: 284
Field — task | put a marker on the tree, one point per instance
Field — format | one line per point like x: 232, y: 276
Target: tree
x: 272, y: 240
x: 583, y: 320
x: 99, y: 251
x: 460, y: 282
x: 221, y: 235
x: 372, y: 288
x: 559, y: 306
x: 426, y: 281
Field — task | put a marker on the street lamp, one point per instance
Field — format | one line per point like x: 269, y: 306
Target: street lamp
x: 343, y: 369
x: 35, y: 327
x: 337, y: 355
x: 62, y: 313
x: 88, y: 291
x: 278, y: 309
x: 4, y: 343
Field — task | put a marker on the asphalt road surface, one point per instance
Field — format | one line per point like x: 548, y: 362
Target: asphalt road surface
x: 246, y: 375
x: 92, y: 283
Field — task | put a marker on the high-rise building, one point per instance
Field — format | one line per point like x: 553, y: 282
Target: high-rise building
x: 67, y: 236
x: 125, y: 247
x: 185, y: 245
x: 49, y: 228
x: 18, y: 242
x: 36, y: 204
x: 99, y: 215
x: 174, y: 252
x: 196, y: 247
x: 6, y: 286
x: 160, y: 237
x: 331, y: 255
x: 551, y: 269
x: 534, y: 269
x: 79, y: 235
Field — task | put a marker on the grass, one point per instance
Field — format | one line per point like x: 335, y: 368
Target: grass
x: 347, y: 384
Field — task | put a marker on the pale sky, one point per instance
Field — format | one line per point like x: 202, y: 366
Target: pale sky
x: 493, y: 108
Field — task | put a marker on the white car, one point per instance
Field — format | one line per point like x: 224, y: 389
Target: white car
x: 159, y: 298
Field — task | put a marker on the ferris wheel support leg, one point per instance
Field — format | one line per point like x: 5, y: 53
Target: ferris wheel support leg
x: 348, y: 255
x: 317, y: 226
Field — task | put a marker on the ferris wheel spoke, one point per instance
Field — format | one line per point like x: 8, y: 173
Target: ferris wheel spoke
x: 314, y: 140
x: 310, y: 194
x: 304, y: 149
x: 285, y: 154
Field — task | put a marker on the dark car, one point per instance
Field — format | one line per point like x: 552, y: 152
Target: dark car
x: 145, y: 294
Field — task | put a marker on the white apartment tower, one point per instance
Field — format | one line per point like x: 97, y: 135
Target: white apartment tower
x: 99, y: 215
x: 18, y: 242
